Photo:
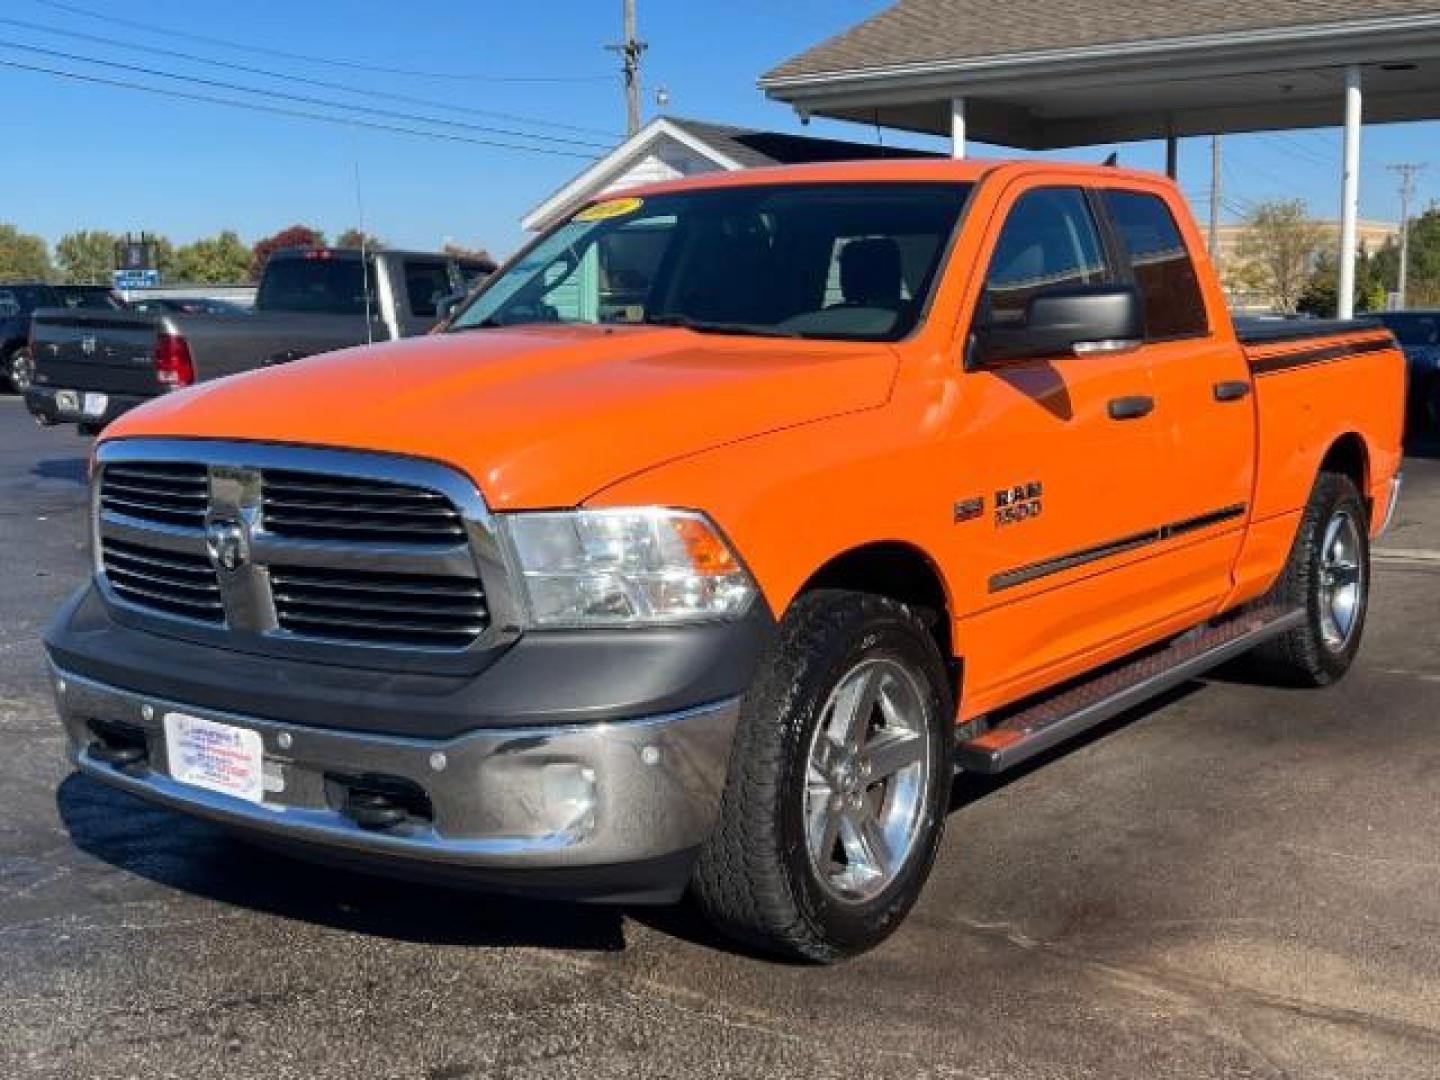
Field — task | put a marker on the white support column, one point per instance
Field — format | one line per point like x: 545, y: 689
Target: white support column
x: 1350, y: 196
x: 957, y: 127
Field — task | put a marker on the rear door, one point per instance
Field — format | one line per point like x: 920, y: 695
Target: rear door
x: 1204, y: 408
x: 1060, y: 476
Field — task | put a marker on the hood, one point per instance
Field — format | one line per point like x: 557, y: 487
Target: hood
x: 537, y: 416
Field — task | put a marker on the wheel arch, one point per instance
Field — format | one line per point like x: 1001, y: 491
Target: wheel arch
x: 902, y: 571
x: 1349, y: 456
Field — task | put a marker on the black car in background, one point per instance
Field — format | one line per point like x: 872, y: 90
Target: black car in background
x: 18, y: 301
x: 1419, y: 335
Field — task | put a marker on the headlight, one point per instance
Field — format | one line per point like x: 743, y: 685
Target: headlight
x: 625, y: 567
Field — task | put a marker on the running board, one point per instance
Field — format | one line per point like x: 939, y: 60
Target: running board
x: 1040, y: 725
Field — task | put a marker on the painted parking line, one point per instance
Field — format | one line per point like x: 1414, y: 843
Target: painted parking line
x: 1410, y: 555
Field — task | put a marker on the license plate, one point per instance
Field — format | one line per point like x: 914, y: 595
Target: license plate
x: 216, y: 757
x: 95, y: 404
x: 67, y: 401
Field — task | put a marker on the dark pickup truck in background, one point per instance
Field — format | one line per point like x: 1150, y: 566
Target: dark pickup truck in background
x: 92, y: 366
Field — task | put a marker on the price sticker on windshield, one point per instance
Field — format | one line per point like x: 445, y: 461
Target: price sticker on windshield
x: 610, y: 208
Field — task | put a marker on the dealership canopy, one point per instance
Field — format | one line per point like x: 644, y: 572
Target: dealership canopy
x: 1039, y: 75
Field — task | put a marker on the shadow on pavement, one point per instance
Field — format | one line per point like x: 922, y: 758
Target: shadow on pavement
x: 196, y: 857
x: 72, y: 469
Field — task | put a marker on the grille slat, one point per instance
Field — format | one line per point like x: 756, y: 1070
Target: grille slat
x: 166, y: 493
x: 312, y: 506
x: 172, y: 582
x: 368, y: 606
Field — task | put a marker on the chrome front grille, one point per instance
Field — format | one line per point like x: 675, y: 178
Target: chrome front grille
x: 310, y: 505
x: 286, y: 548
x: 169, y: 581
x: 359, y: 605
x: 166, y: 493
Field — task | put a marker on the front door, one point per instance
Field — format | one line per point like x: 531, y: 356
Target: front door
x: 1063, y: 455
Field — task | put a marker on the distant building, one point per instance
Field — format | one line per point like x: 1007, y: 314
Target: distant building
x: 670, y: 147
x: 1372, y: 234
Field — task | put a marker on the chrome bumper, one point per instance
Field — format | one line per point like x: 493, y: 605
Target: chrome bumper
x: 561, y: 797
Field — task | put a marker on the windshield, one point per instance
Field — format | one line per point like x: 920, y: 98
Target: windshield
x: 1414, y: 328
x: 314, y: 284
x: 845, y: 261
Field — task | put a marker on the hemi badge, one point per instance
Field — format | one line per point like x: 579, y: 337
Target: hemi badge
x: 969, y: 510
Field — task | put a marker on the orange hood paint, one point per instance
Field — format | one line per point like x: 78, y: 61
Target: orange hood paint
x: 538, y: 416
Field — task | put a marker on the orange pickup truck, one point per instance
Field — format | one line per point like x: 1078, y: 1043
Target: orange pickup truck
x: 718, y: 529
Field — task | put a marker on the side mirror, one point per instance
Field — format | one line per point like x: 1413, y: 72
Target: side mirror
x: 1069, y: 320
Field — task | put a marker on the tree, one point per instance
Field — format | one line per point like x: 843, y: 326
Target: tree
x: 354, y: 238
x: 214, y: 260
x: 458, y: 251
x: 294, y: 236
x: 23, y: 255
x: 1322, y: 290
x: 1282, y: 241
x: 87, y: 255
x: 1424, y: 283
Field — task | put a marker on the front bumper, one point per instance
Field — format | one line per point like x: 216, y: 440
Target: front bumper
x: 653, y: 788
x: 45, y: 404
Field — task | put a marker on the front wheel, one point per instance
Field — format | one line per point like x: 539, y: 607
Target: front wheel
x: 1328, y: 576
x: 839, y: 782
x: 20, y: 369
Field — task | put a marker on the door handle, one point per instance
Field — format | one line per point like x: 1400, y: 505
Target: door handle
x: 1131, y: 408
x: 1232, y: 391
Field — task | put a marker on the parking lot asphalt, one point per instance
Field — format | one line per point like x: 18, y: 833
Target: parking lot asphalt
x: 1236, y: 882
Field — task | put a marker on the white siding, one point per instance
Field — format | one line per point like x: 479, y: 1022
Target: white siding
x: 669, y: 160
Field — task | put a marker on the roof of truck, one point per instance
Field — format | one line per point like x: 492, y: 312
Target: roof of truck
x: 893, y: 170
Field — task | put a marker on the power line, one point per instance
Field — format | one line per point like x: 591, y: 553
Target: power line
x: 389, y: 114
x: 172, y: 32
x: 278, y: 110
x: 302, y: 79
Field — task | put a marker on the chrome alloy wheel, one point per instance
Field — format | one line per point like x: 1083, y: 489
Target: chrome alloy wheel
x: 1342, y: 581
x: 22, y: 370
x: 867, y: 779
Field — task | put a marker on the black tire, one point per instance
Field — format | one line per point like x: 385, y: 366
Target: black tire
x: 756, y: 878
x: 1313, y: 654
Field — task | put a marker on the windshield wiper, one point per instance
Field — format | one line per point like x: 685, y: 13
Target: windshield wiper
x: 700, y: 326
x: 488, y: 323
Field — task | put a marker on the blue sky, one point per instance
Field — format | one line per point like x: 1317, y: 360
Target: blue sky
x: 91, y: 156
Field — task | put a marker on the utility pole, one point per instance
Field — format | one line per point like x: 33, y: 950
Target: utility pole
x: 1215, y: 202
x: 630, y: 50
x: 1407, y: 174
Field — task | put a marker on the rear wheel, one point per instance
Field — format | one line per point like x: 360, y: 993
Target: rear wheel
x: 1328, y: 575
x: 838, y: 785
x: 20, y: 369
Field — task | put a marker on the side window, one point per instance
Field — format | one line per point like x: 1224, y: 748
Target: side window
x: 9, y: 305
x: 426, y: 284
x: 1049, y: 241
x: 1161, y: 265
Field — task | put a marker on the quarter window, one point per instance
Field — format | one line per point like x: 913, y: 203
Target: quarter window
x: 1162, y: 267
x: 1049, y: 241
x: 426, y: 284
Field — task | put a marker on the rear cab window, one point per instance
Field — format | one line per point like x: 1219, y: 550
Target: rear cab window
x: 315, y: 283
x: 1159, y: 263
